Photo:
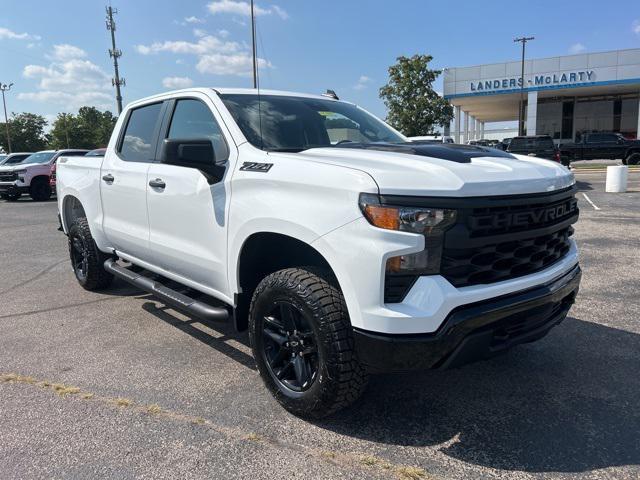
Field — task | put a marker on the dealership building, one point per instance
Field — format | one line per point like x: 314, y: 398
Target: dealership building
x: 563, y: 96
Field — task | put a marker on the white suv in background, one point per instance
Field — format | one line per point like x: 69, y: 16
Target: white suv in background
x: 31, y: 175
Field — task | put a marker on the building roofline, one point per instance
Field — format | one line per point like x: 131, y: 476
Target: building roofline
x: 541, y: 58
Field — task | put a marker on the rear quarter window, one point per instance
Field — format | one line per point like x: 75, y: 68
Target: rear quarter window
x: 140, y: 135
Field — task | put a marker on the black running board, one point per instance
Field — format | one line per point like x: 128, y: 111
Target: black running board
x: 169, y: 296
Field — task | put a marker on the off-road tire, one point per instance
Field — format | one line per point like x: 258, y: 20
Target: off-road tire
x: 95, y: 277
x: 40, y: 190
x: 340, y: 378
x: 633, y: 159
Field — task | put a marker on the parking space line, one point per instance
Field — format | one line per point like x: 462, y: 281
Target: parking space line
x: 595, y: 207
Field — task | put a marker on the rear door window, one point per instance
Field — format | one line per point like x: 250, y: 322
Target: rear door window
x: 139, y: 141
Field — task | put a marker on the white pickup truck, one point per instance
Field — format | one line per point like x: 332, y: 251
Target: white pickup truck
x: 343, y: 249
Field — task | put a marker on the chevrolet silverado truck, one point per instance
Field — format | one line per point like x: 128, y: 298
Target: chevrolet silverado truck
x: 344, y: 253
x: 31, y: 175
x: 602, y: 146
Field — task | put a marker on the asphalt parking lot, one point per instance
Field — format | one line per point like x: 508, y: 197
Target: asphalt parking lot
x: 117, y: 385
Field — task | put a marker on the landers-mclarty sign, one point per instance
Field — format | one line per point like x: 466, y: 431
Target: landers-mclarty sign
x: 537, y: 81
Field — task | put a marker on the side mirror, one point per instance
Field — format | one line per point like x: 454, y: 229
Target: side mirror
x: 620, y: 141
x: 193, y: 153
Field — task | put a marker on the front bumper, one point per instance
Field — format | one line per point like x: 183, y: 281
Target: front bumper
x: 475, y: 331
x: 12, y: 188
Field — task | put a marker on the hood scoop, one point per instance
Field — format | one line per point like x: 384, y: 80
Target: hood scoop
x: 445, y: 151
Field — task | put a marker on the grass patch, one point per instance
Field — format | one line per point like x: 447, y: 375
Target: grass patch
x: 15, y: 378
x: 154, y: 409
x: 253, y: 437
x: 368, y: 460
x: 411, y: 473
x: 328, y: 454
x: 199, y: 421
x: 87, y: 396
x: 63, y: 390
x: 123, y: 402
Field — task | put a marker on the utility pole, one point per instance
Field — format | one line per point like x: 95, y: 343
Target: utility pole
x: 5, y: 88
x: 254, y: 46
x: 115, y: 54
x: 524, y: 41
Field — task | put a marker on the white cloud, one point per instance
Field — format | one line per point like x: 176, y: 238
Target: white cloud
x: 577, y: 48
x: 70, y: 80
x: 215, y: 56
x: 11, y: 35
x: 223, y: 33
x: 193, y: 19
x: 205, y: 44
x: 177, y: 82
x: 240, y: 64
x: 198, y: 32
x: 280, y: 12
x: 635, y: 26
x: 363, y: 82
x: 64, y: 52
x: 244, y: 8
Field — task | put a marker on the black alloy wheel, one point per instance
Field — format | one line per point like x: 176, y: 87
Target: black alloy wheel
x: 302, y: 341
x: 290, y: 347
x: 79, y: 257
x: 87, y: 261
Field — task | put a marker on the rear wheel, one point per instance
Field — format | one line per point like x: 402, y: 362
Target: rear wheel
x: 633, y: 159
x: 302, y: 342
x: 40, y: 190
x: 87, y: 261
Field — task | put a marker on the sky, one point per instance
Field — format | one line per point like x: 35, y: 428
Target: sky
x: 56, y: 52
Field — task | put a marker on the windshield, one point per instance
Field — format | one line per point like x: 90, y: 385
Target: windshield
x: 42, y: 157
x: 298, y: 123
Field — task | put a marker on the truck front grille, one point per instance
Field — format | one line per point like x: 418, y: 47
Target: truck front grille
x: 8, y: 177
x: 502, y: 238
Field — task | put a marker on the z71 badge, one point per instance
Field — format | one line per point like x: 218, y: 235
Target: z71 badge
x: 256, y: 167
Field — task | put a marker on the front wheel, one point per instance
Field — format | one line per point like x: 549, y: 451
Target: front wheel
x: 40, y: 190
x: 302, y: 342
x: 87, y: 261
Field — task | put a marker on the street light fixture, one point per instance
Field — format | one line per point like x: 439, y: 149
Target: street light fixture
x: 524, y: 41
x: 5, y: 88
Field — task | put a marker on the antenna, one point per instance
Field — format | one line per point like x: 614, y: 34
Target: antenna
x: 254, y: 46
x: 256, y: 79
x: 115, y: 54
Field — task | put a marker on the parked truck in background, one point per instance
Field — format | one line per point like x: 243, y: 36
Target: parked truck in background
x: 602, y: 146
x: 31, y: 175
x: 342, y: 257
x: 541, y: 146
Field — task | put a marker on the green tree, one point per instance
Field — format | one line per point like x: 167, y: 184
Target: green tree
x: 27, y: 133
x: 90, y: 128
x: 414, y: 106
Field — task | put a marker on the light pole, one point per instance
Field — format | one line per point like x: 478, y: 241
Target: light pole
x: 5, y: 88
x: 524, y: 41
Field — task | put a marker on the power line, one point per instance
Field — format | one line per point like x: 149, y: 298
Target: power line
x: 115, y: 54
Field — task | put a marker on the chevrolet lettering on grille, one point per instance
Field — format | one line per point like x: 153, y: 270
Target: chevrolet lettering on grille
x: 538, y: 216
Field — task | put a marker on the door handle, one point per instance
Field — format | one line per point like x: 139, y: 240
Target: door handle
x: 157, y: 183
x: 108, y: 178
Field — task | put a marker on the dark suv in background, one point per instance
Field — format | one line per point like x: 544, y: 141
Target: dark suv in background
x: 537, y: 146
